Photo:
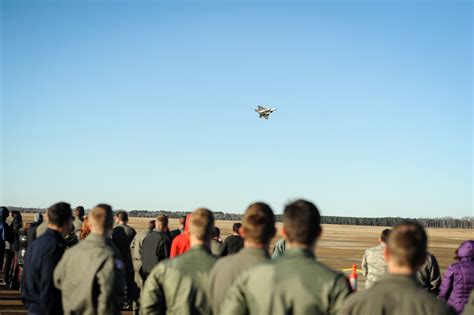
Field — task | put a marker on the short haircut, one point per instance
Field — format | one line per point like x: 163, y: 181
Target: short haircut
x: 216, y: 232
x: 259, y: 223
x: 122, y: 216
x: 407, y: 243
x: 101, y: 217
x: 182, y: 220
x: 384, y: 235
x: 151, y: 225
x: 59, y: 213
x: 163, y: 219
x: 302, y: 222
x: 236, y: 227
x: 5, y: 213
x: 79, y: 211
x: 201, y: 224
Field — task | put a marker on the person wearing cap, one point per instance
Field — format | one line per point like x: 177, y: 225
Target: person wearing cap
x: 258, y: 230
x: 31, y: 233
x: 91, y: 275
x: 181, y: 285
x: 398, y: 292
x: 39, y: 293
x: 295, y: 283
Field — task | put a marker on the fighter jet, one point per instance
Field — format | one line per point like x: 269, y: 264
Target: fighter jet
x: 264, y: 112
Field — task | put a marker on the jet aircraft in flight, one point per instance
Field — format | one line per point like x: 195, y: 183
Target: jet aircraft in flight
x: 264, y: 112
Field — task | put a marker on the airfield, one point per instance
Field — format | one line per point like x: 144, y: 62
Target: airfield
x: 340, y: 247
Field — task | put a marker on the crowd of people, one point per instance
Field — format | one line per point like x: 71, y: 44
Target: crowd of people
x: 67, y: 262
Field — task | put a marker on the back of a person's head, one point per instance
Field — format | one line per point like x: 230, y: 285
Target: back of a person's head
x: 384, y: 235
x: 259, y: 223
x: 407, y: 244
x: 38, y: 218
x: 59, y: 214
x: 101, y: 218
x: 216, y: 232
x: 16, y: 215
x: 201, y: 224
x: 151, y: 225
x: 182, y: 220
x: 302, y: 222
x: 122, y: 216
x: 236, y: 227
x: 4, y: 212
x: 79, y: 211
x: 162, y: 221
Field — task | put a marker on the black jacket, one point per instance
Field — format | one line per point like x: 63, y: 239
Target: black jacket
x: 155, y: 248
x: 232, y: 245
x: 39, y: 294
x: 31, y: 234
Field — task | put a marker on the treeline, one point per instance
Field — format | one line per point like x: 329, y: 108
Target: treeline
x: 446, y: 222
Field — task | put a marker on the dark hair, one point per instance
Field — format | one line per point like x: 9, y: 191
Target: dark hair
x: 59, y: 213
x: 384, y: 235
x: 182, y: 219
x: 151, y: 225
x: 236, y: 227
x: 163, y: 219
x: 407, y: 243
x: 259, y: 223
x: 302, y: 222
x: 217, y: 232
x: 5, y: 213
x: 79, y: 211
x: 123, y: 216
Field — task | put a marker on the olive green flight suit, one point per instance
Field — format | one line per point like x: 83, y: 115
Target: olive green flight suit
x: 295, y: 283
x: 180, y: 285
x: 395, y: 295
x: 91, y: 277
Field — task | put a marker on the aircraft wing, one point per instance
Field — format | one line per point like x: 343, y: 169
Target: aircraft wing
x: 261, y: 108
x: 265, y: 116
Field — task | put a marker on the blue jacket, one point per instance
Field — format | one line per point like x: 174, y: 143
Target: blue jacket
x: 39, y: 293
x: 4, y: 228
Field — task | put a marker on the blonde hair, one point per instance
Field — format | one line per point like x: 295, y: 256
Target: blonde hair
x: 101, y: 217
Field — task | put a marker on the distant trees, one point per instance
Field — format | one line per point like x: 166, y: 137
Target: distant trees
x: 446, y: 222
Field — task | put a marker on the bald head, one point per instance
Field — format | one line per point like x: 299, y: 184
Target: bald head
x: 101, y: 219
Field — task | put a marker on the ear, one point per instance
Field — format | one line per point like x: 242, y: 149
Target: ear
x: 283, y: 233
x: 241, y: 231
x: 320, y: 232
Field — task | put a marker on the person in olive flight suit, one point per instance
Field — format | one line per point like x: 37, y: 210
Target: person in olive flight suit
x: 91, y: 275
x: 295, y: 283
x: 181, y: 285
x: 398, y: 291
x: 258, y: 230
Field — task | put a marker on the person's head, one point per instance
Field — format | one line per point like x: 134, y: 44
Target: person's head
x: 60, y: 217
x: 151, y: 225
x: 406, y: 247
x: 85, y: 228
x: 465, y: 250
x: 16, y: 215
x: 38, y: 218
x: 4, y: 212
x: 216, y: 233
x: 79, y: 212
x: 162, y: 223
x: 301, y: 224
x: 258, y: 224
x: 101, y: 219
x: 122, y: 217
x: 384, y: 236
x: 182, y: 221
x: 201, y: 226
x: 236, y: 227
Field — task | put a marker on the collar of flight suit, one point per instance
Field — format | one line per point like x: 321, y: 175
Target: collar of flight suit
x: 299, y: 253
x: 200, y: 248
x: 396, y: 278
x: 256, y: 252
x: 96, y: 238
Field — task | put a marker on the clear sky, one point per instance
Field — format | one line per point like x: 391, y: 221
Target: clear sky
x: 150, y: 105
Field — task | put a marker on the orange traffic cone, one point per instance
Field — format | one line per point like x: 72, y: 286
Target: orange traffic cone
x: 353, y: 277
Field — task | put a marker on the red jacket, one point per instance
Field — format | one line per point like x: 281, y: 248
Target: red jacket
x: 181, y: 242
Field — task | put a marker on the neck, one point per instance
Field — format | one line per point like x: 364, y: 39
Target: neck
x: 55, y: 228
x: 301, y: 246
x: 400, y: 270
x: 195, y: 242
x: 251, y: 244
x: 236, y: 234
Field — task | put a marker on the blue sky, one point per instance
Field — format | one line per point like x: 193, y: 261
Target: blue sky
x: 149, y: 105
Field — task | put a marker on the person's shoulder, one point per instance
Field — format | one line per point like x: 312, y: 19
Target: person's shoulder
x: 226, y: 262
